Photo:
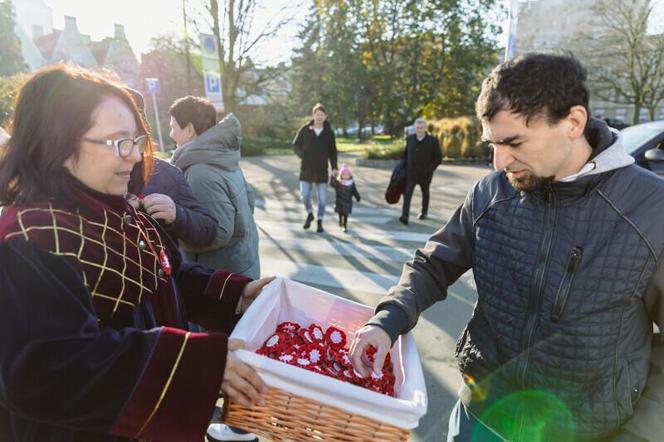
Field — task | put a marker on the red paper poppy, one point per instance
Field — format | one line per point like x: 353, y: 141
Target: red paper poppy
x: 335, y: 337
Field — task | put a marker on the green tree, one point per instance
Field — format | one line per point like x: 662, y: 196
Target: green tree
x: 306, y: 68
x: 9, y: 88
x: 394, y: 60
x: 11, y: 58
x: 428, y: 56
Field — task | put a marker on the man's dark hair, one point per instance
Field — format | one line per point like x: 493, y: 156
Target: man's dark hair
x: 195, y: 110
x: 535, y: 85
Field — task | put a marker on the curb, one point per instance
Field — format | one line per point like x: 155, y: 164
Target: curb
x: 391, y: 164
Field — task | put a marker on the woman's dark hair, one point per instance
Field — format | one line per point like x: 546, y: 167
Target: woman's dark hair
x: 535, y: 85
x: 318, y: 107
x: 54, y: 109
x: 195, y: 110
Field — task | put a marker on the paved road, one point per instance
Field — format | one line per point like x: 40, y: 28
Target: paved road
x: 363, y: 263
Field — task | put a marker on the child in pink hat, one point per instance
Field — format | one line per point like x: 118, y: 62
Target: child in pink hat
x: 345, y: 189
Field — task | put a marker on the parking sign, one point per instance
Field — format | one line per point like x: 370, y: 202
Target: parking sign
x: 212, y: 83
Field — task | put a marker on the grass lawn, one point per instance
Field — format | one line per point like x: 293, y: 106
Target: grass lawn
x: 279, y: 150
x: 380, y: 146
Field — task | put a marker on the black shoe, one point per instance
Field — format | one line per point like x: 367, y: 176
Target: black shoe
x: 307, y: 222
x: 404, y: 220
x: 319, y: 229
x: 422, y: 215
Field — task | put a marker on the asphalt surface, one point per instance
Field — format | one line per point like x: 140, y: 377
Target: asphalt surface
x: 363, y: 263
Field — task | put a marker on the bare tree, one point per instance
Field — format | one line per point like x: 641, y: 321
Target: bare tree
x: 626, y: 63
x: 232, y: 23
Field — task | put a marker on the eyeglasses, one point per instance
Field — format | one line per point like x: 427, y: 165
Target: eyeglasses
x: 124, y: 146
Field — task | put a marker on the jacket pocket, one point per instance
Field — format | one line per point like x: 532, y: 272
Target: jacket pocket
x: 630, y: 391
x: 566, y: 284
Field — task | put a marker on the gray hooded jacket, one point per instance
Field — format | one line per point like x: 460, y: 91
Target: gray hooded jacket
x: 211, y: 165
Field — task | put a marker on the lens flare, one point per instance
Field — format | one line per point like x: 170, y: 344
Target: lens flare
x: 529, y: 416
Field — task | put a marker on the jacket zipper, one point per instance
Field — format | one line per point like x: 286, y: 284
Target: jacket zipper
x: 566, y: 283
x: 535, y: 295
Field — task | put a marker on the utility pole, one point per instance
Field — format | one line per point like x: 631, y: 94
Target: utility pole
x: 154, y: 88
x: 511, y: 31
x: 186, y: 46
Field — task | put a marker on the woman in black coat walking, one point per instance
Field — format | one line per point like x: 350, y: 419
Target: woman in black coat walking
x: 315, y: 145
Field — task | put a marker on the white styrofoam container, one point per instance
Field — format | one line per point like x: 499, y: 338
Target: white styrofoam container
x: 286, y: 300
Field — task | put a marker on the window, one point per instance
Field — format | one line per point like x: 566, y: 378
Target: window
x: 661, y: 113
x: 621, y: 114
x: 644, y: 116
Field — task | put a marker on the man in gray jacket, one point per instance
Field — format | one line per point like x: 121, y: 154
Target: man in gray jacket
x: 566, y: 242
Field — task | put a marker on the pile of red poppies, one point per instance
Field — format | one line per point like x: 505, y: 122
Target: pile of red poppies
x: 324, y: 352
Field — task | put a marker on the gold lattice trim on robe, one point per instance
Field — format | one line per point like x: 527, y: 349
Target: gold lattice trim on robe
x: 114, y: 267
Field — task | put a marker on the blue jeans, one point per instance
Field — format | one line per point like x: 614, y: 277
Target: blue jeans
x: 463, y: 427
x: 321, y: 193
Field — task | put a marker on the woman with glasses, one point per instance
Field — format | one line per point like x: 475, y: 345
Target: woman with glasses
x: 94, y: 298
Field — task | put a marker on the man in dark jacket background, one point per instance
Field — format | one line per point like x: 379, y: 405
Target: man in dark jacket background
x: 566, y: 245
x: 423, y: 155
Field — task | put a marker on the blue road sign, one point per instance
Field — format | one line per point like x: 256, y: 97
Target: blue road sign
x: 153, y: 85
x: 209, y: 45
x: 212, y: 83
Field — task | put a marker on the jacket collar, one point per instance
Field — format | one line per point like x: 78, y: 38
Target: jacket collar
x: 91, y: 199
x: 608, y: 155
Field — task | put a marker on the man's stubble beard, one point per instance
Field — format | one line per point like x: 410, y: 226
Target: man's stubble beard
x: 529, y: 182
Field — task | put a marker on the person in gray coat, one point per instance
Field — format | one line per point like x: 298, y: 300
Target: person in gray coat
x: 209, y: 156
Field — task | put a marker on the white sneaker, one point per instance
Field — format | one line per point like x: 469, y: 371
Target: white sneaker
x: 224, y: 433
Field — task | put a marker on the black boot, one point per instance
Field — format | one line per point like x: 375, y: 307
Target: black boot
x: 404, y: 220
x: 307, y: 222
x: 345, y: 228
x: 320, y: 226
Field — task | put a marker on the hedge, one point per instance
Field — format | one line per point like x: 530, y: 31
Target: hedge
x: 460, y: 138
x: 254, y: 146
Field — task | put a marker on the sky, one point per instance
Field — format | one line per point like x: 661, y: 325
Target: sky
x: 143, y: 19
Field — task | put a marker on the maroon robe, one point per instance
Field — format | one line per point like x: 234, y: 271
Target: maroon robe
x: 93, y: 339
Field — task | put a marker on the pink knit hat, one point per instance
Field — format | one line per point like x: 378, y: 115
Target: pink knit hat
x: 345, y: 168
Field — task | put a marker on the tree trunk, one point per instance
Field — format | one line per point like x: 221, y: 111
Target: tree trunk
x: 651, y: 112
x: 636, y: 114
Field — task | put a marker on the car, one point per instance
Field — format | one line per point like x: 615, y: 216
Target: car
x: 616, y: 123
x: 645, y: 142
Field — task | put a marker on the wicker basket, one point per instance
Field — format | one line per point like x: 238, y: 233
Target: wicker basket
x: 303, y: 405
x: 288, y: 417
